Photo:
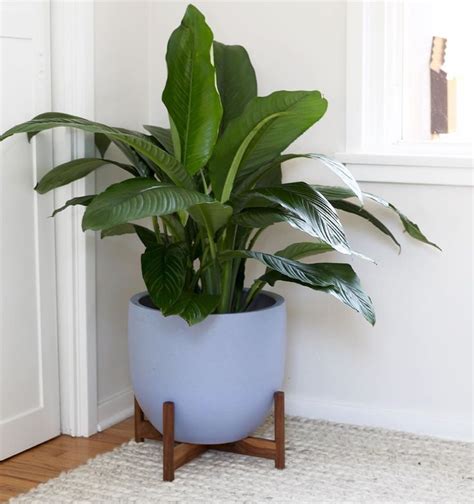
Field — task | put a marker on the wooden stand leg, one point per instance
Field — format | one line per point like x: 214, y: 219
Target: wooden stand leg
x: 168, y: 441
x: 139, y: 418
x: 177, y: 454
x: 279, y: 412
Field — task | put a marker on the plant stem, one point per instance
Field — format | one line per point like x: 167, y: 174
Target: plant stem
x: 165, y: 233
x: 204, y: 183
x: 254, y: 238
x: 212, y: 246
x: 257, y: 286
x: 156, y: 227
x: 226, y: 287
x: 202, y: 269
x: 206, y: 280
x: 212, y: 277
x: 227, y: 270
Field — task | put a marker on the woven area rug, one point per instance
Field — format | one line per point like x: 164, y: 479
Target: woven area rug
x: 326, y: 462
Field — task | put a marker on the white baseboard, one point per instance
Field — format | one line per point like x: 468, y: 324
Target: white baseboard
x: 416, y: 422
x: 114, y: 409
x: 119, y: 406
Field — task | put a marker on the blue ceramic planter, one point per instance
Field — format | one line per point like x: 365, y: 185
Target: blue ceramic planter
x: 221, y: 373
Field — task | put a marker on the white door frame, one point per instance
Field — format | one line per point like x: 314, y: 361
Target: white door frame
x: 72, y: 54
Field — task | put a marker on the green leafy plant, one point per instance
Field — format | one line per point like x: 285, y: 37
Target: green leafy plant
x: 212, y: 183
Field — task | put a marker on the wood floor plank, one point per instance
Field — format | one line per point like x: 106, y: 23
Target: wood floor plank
x: 26, y: 470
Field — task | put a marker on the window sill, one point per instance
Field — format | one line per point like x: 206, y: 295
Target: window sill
x: 409, y: 168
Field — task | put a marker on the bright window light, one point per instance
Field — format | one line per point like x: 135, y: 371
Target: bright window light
x: 438, y: 81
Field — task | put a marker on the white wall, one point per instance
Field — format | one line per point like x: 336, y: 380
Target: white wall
x: 121, y: 93
x: 413, y: 370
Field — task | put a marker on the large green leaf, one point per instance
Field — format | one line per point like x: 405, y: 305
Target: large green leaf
x: 173, y: 169
x: 335, y: 166
x: 118, y: 230
x: 352, y: 208
x: 80, y: 200
x: 137, y: 198
x: 193, y: 307
x: 264, y: 129
x: 102, y: 142
x: 335, y: 193
x: 260, y: 217
x: 413, y: 229
x: 342, y: 283
x: 144, y: 166
x: 139, y: 142
x: 212, y: 216
x: 336, y: 279
x: 164, y: 273
x: 236, y: 79
x: 135, y: 159
x: 190, y: 94
x: 410, y: 227
x: 304, y: 249
x: 46, y: 116
x: 241, y: 151
x: 73, y: 170
x: 162, y: 135
x: 147, y: 236
x: 308, y: 211
x: 271, y: 177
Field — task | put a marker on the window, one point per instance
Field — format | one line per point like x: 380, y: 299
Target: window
x: 389, y: 83
x: 438, y: 85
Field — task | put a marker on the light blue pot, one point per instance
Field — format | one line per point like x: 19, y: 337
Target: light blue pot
x: 221, y: 373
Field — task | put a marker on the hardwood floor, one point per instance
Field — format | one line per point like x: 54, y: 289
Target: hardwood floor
x: 24, y: 471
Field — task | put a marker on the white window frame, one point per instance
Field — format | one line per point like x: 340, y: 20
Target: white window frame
x: 374, y: 104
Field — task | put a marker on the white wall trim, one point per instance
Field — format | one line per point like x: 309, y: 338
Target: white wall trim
x: 417, y: 422
x: 410, y: 169
x: 114, y: 409
x: 366, y: 73
x: 72, y: 35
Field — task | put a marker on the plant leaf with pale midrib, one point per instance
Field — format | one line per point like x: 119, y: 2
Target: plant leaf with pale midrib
x: 190, y: 94
x: 162, y: 135
x: 137, y: 198
x: 74, y: 170
x: 193, y: 307
x: 334, y: 193
x: 293, y: 111
x: 336, y: 279
x: 247, y: 182
x: 346, y: 206
x: 80, y: 200
x: 164, y: 273
x: 173, y: 169
x: 308, y: 211
x: 236, y: 79
x: 102, y: 142
x: 300, y: 250
x: 260, y: 217
x: 146, y: 236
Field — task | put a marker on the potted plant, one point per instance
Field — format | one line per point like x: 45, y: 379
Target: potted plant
x: 211, y: 184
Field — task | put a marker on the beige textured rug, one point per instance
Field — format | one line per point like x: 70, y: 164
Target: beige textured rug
x: 326, y: 462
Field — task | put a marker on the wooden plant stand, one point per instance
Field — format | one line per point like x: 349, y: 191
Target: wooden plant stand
x: 177, y: 454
